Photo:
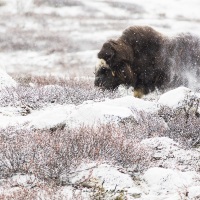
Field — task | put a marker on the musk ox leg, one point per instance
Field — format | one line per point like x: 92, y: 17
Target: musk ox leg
x: 143, y: 89
x: 138, y: 93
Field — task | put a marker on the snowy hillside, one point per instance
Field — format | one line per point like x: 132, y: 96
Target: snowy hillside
x: 62, y: 138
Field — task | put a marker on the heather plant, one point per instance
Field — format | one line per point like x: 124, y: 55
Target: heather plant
x: 40, y: 191
x: 53, y: 90
x: 54, y: 156
x: 146, y: 126
x: 183, y: 122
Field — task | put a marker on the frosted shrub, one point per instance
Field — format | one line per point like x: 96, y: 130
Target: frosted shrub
x: 53, y: 156
x: 148, y: 125
x: 51, y: 90
x: 183, y: 124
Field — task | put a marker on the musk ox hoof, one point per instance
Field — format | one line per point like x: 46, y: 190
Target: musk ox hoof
x: 139, y: 93
x: 144, y: 58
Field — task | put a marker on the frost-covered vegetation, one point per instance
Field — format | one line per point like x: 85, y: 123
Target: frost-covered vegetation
x: 53, y: 156
x: 61, y: 138
x: 45, y: 162
x: 47, y: 90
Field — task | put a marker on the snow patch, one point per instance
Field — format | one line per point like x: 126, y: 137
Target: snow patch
x: 104, y: 173
x: 6, y: 80
x: 89, y: 113
x: 174, y: 98
x: 162, y: 181
x: 109, y: 111
x: 51, y: 117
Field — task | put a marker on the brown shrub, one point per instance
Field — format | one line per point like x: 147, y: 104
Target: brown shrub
x: 52, y: 90
x: 53, y: 156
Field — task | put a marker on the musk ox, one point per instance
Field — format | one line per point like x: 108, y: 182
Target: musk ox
x: 146, y: 59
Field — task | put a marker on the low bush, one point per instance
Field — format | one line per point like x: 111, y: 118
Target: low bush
x: 47, y: 90
x: 54, y: 156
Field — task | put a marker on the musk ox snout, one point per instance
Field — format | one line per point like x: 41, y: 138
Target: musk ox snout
x: 97, y: 82
x: 105, y: 83
x: 104, y: 76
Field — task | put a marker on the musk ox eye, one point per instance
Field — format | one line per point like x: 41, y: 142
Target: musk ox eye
x: 104, y: 70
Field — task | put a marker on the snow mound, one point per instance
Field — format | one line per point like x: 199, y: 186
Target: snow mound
x: 89, y: 113
x: 176, y: 97
x: 106, y: 176
x: 92, y: 113
x: 6, y: 80
x: 50, y: 118
x: 170, y: 184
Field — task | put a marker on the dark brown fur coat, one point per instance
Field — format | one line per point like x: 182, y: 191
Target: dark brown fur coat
x: 146, y: 59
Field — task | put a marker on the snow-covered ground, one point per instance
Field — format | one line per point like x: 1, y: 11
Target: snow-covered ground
x: 63, y: 39
x: 174, y: 174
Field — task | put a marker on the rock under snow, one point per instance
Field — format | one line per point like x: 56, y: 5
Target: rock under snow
x: 89, y: 113
x: 50, y: 117
x: 106, y: 176
x: 176, y: 97
x: 171, y: 184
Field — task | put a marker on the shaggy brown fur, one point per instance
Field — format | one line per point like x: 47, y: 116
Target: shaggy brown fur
x: 146, y: 59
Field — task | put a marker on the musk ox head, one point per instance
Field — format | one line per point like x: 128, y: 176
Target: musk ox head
x: 114, y: 65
